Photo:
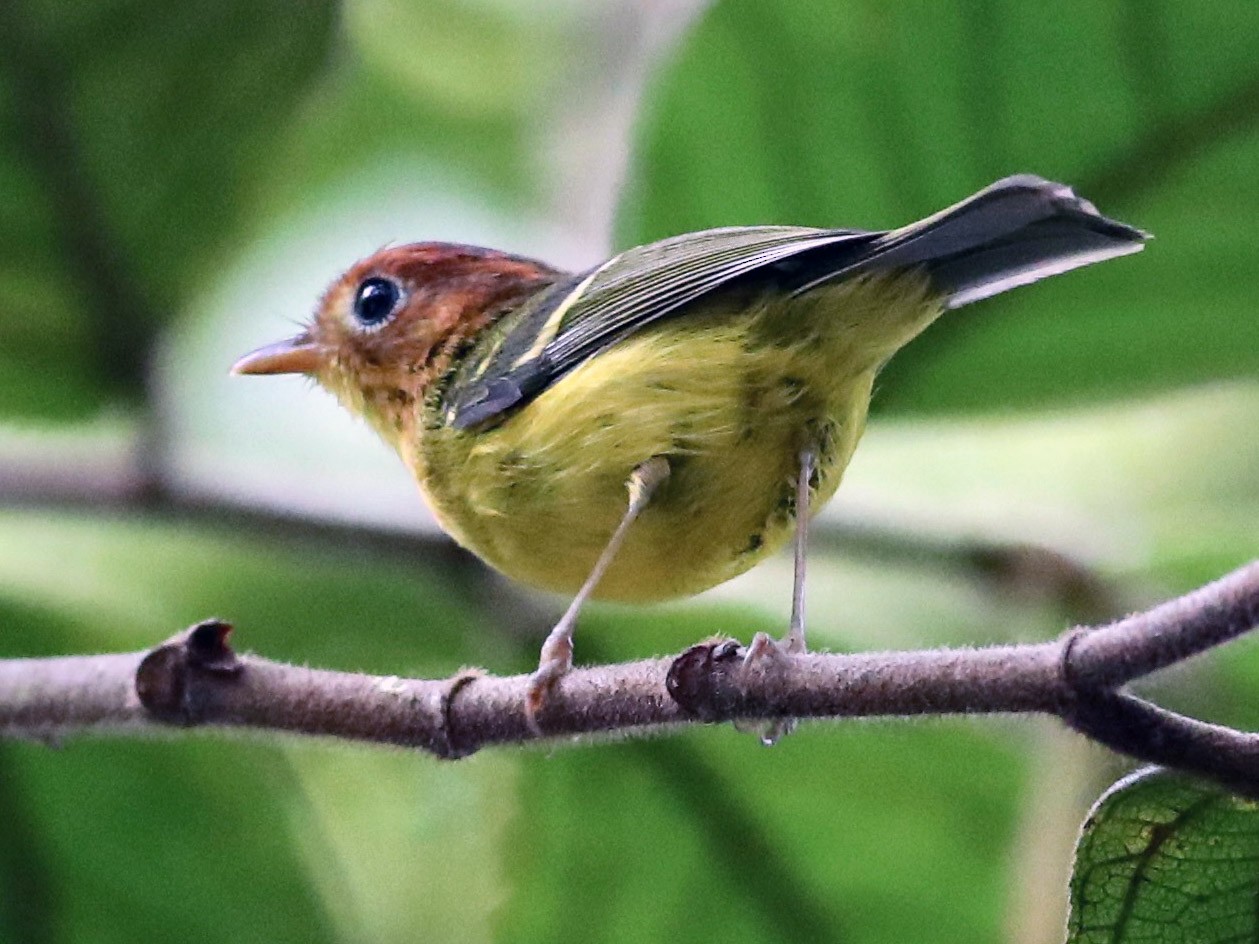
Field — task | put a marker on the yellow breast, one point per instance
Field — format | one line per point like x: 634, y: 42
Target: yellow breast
x: 729, y: 395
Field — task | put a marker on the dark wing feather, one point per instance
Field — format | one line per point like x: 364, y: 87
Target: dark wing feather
x: 1013, y: 232
x: 554, y: 332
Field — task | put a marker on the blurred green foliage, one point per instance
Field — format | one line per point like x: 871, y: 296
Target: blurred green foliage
x: 132, y: 138
x: 154, y: 158
x: 873, y: 115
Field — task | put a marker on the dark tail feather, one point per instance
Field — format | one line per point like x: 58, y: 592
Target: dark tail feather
x: 1013, y: 232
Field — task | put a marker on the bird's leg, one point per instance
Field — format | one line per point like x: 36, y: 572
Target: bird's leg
x: 794, y: 640
x: 557, y: 651
x: 763, y: 646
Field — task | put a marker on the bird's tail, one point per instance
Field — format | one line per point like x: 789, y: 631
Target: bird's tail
x: 1013, y: 232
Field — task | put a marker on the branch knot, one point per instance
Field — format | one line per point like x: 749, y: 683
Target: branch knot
x: 165, y: 679
x: 694, y: 677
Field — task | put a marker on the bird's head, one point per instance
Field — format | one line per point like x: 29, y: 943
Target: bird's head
x: 389, y: 326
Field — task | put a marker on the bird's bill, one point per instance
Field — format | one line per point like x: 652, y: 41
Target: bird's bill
x: 296, y: 355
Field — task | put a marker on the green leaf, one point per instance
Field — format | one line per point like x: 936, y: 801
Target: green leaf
x: 867, y: 114
x: 1164, y: 858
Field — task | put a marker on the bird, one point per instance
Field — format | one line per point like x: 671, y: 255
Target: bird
x: 655, y: 425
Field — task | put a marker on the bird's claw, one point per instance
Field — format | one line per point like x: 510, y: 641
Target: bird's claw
x: 556, y: 662
x: 766, y: 651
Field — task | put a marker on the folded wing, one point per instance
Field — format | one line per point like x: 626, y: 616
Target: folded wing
x: 1011, y: 233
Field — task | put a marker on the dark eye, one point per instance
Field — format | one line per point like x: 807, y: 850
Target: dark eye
x: 376, y: 300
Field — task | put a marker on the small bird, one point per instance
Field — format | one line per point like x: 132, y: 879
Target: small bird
x: 658, y: 424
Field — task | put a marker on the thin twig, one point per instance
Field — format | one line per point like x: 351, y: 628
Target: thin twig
x: 1167, y: 634
x: 1147, y: 732
x: 197, y: 679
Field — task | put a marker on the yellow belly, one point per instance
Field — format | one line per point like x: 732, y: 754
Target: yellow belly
x: 728, y: 396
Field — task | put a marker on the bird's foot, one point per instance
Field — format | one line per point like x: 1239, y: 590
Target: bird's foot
x: 557, y: 651
x: 764, y: 653
x: 555, y: 662
x: 765, y: 646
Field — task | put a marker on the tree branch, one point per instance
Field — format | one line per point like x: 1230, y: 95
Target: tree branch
x: 196, y: 679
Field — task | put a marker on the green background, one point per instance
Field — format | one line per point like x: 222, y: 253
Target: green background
x: 178, y: 183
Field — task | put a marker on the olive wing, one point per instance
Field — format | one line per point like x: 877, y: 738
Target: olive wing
x: 532, y: 347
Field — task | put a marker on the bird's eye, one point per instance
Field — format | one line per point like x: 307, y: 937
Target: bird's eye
x: 376, y: 300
